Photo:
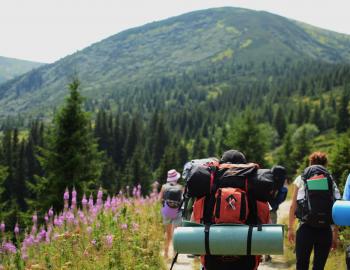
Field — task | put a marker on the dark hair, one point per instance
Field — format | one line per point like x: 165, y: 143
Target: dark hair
x: 318, y: 158
x: 279, y: 172
x: 233, y: 157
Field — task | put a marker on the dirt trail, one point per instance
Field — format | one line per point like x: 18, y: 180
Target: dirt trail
x: 278, y: 261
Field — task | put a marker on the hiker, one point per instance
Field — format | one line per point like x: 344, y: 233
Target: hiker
x: 246, y: 262
x: 279, y: 195
x: 171, y: 196
x: 312, y: 203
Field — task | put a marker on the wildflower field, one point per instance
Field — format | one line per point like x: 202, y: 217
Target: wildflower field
x: 117, y: 233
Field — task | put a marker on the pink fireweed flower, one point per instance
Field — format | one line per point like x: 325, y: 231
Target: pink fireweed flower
x: 107, y: 205
x: 50, y: 213
x: 134, y: 192
x: 24, y: 254
x: 35, y: 218
x: 66, y: 195
x: 93, y: 242
x: 70, y: 217
x: 47, y: 236
x: 91, y: 202
x: 2, y: 226
x: 100, y: 193
x: 29, y: 241
x: 34, y: 229
x: 124, y: 226
x: 84, y: 200
x: 16, y: 229
x: 109, y: 240
x: 9, y: 247
x: 42, y: 235
x: 74, y: 193
x: 46, y: 218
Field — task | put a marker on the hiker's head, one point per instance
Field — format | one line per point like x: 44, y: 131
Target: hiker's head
x: 173, y: 176
x: 279, y: 173
x: 318, y: 158
x: 233, y: 157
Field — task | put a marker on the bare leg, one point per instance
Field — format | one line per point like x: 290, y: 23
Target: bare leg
x: 169, y: 233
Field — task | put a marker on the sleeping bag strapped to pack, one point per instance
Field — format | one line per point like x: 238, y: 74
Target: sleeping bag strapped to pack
x: 316, y: 207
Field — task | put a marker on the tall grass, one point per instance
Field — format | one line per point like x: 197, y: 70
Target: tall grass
x: 119, y: 233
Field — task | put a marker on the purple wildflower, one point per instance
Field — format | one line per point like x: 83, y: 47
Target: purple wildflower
x: 66, y: 195
x: 16, y: 229
x: 9, y: 247
x: 84, y: 201
x: 124, y: 226
x: 35, y: 218
x: 50, y: 213
x: 109, y: 240
x: 2, y: 226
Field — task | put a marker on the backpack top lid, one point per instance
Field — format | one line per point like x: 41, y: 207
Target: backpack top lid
x: 314, y: 170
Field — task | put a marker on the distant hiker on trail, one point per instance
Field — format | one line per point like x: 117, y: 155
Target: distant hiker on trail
x: 279, y: 195
x: 312, y: 201
x: 171, y: 196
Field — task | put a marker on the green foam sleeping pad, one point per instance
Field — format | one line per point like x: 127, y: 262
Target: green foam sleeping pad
x: 228, y: 239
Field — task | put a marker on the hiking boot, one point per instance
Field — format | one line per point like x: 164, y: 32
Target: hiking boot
x: 267, y: 258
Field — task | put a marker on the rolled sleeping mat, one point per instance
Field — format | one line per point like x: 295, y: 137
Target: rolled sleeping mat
x: 341, y: 213
x: 229, y: 240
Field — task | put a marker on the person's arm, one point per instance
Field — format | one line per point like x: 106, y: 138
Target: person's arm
x: 346, y: 195
x: 160, y: 195
x: 291, y: 221
x: 335, y: 238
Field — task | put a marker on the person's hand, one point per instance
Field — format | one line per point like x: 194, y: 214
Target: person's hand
x: 335, y: 240
x: 291, y: 235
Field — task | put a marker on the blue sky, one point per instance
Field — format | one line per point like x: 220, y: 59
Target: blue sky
x: 47, y: 30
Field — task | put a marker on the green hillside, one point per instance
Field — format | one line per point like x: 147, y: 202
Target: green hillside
x: 248, y: 45
x: 10, y: 67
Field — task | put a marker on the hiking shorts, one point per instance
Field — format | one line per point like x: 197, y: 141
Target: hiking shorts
x: 175, y: 221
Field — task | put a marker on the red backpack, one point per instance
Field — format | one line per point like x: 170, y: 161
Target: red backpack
x: 231, y: 200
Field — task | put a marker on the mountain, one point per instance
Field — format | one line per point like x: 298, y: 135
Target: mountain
x: 10, y: 67
x: 156, y: 54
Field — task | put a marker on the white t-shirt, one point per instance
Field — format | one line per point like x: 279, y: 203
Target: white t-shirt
x: 299, y: 183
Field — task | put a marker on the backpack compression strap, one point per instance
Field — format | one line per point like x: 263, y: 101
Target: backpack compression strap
x: 174, y: 260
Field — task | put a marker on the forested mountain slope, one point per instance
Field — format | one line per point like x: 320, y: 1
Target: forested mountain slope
x: 238, y: 46
x: 10, y: 67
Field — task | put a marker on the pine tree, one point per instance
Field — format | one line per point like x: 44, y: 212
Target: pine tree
x: 340, y: 159
x: 343, y: 116
x: 247, y: 137
x: 71, y: 159
x: 279, y: 121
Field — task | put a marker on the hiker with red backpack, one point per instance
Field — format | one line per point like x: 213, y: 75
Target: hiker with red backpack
x: 171, y: 197
x: 228, y: 199
x: 314, y: 195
